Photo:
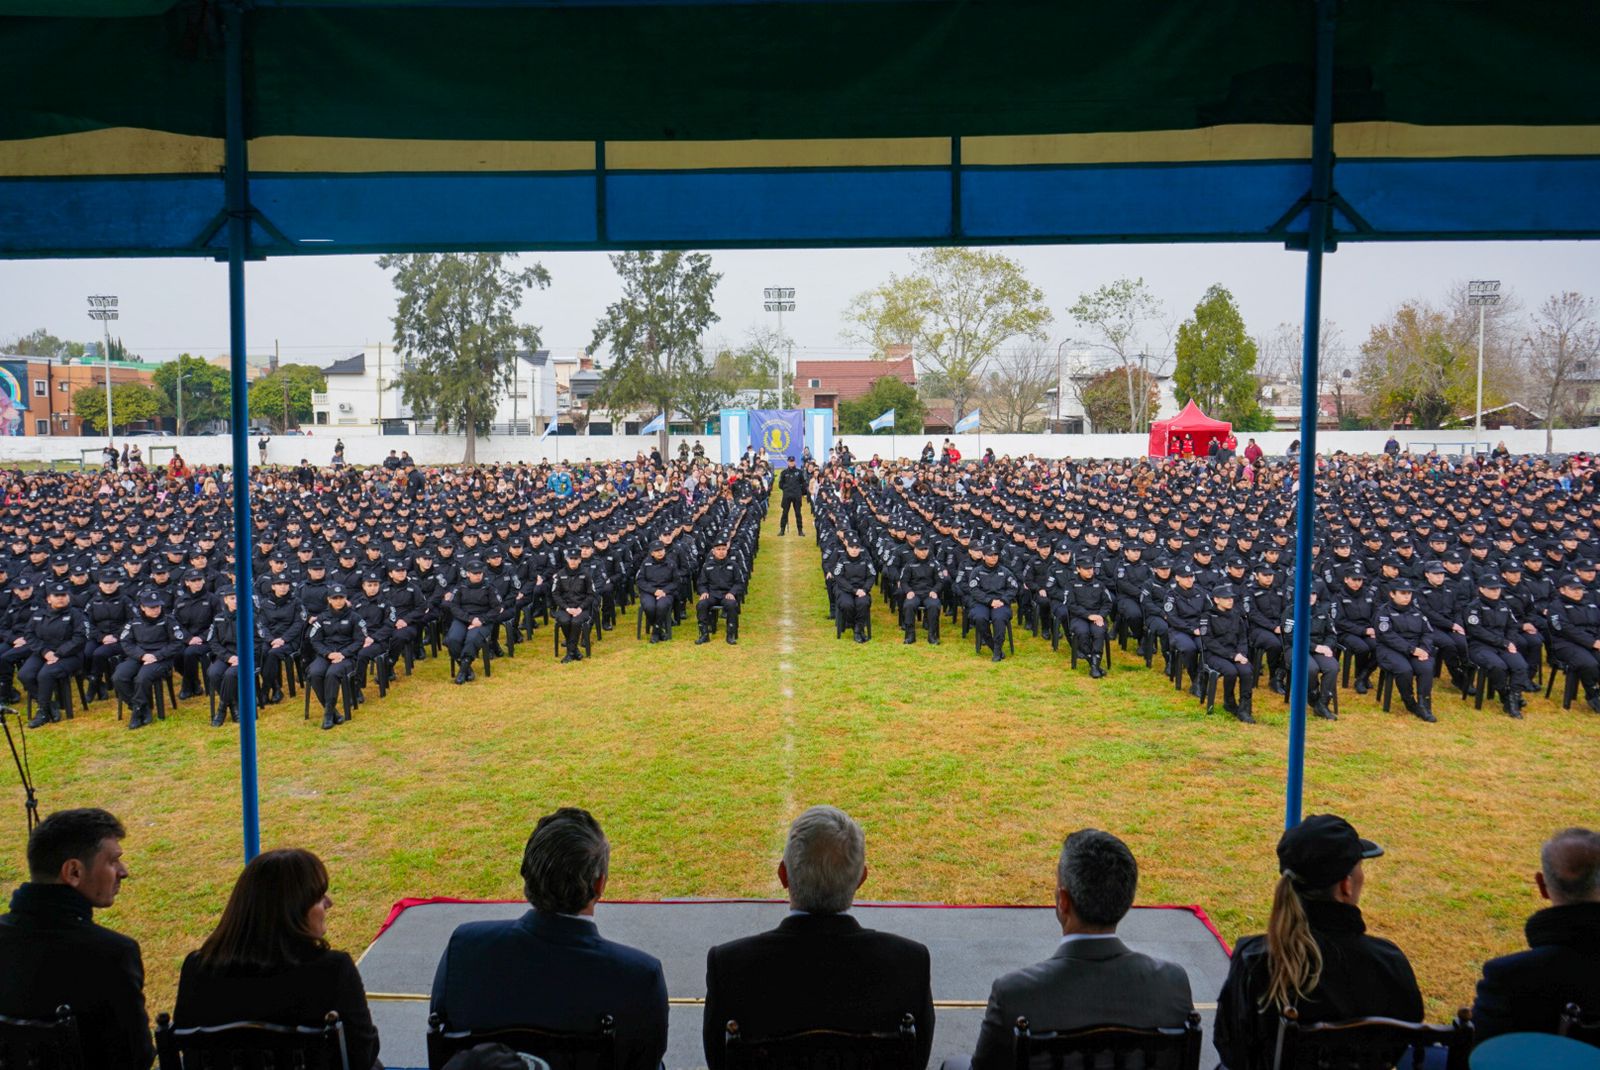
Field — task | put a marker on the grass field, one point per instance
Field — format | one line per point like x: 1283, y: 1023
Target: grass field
x: 965, y: 775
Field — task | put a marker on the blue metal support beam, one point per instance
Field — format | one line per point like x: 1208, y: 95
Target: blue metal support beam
x: 1319, y: 207
x: 237, y: 196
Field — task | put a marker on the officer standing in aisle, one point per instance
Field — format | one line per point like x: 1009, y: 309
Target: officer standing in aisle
x: 792, y: 484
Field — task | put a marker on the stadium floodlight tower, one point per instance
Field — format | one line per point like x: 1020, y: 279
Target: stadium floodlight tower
x: 103, y: 307
x: 780, y: 299
x: 1481, y: 293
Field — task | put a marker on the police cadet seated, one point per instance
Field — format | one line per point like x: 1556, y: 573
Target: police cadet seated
x: 990, y: 589
x: 222, y: 646
x: 574, y: 598
x: 107, y: 612
x: 56, y: 633
x: 1405, y: 649
x: 1225, y: 639
x: 335, y: 636
x: 721, y: 587
x: 474, y: 606
x: 150, y: 642
x: 1491, y: 629
x: 193, y: 610
x: 658, y: 588
x: 1088, y: 604
x: 918, y: 591
x: 851, y: 585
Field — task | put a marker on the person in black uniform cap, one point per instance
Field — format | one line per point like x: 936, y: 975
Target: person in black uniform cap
x: 573, y: 595
x: 1185, y: 611
x: 1405, y: 649
x: 1265, y: 608
x: 282, y: 626
x: 193, y: 609
x: 1357, y: 623
x: 1491, y: 628
x: 1320, y: 961
x: 473, y: 606
x: 1441, y: 604
x: 919, y: 592
x: 1575, y: 635
x: 1089, y: 605
x: 1226, y: 642
x: 150, y: 641
x: 56, y: 635
x: 721, y: 587
x: 991, y: 587
x: 792, y: 485
x: 14, y: 631
x: 107, y: 613
x: 657, y: 581
x: 222, y: 640
x: 852, y: 581
x: 336, y: 636
x: 1323, y: 663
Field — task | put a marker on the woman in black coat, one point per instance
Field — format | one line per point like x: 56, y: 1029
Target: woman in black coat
x: 268, y: 961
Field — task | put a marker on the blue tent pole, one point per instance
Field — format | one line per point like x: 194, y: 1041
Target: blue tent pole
x: 238, y: 205
x: 1305, y: 506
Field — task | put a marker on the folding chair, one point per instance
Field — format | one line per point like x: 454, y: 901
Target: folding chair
x: 1113, y: 1046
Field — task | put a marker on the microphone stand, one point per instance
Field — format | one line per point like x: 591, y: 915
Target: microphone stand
x: 20, y: 759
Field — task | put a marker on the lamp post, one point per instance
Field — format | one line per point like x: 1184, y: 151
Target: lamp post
x: 103, y: 307
x: 780, y: 299
x: 1482, y: 293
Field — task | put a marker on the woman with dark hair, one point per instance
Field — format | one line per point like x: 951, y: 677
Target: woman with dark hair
x: 1316, y: 956
x: 268, y: 959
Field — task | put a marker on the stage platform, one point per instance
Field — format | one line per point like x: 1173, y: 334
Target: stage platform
x: 970, y: 947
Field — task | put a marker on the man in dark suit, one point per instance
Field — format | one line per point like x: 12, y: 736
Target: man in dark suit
x: 551, y: 969
x: 1525, y: 992
x: 55, y: 954
x: 1093, y: 978
x: 819, y: 969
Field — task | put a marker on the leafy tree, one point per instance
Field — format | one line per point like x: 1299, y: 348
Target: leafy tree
x: 705, y: 387
x: 206, y: 390
x: 131, y: 403
x: 1015, y: 389
x: 455, y: 326
x: 1418, y: 368
x: 1119, y: 316
x: 653, y: 332
x: 756, y: 366
x: 886, y: 393
x: 1217, y: 360
x: 267, y: 394
x: 956, y: 309
x: 1565, y: 342
x: 41, y: 343
x: 1104, y: 398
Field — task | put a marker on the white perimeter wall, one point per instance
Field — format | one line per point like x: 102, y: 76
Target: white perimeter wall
x: 447, y: 449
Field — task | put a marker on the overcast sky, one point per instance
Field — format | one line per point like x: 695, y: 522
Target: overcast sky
x: 318, y: 308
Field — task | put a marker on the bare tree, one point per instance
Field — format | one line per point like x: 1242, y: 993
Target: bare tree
x: 1119, y: 316
x: 1565, y: 342
x: 1015, y: 388
x: 1280, y: 354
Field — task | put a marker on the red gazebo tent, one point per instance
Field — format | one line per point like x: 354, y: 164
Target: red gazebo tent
x: 1166, y: 436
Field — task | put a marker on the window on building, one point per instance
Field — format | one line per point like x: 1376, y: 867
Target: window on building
x: 63, y: 387
x: 322, y: 417
x: 41, y: 427
x: 813, y: 383
x: 40, y: 388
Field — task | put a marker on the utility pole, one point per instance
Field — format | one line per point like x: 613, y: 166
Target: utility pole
x: 103, y: 307
x: 380, y: 388
x: 1483, y: 293
x: 180, y: 394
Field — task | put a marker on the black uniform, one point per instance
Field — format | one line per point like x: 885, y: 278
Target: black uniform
x: 987, y: 585
x: 1185, y: 611
x: 1574, y: 631
x: 573, y: 590
x: 721, y: 587
x: 792, y: 484
x: 850, y: 575
x: 919, y: 592
x: 466, y: 602
x: 656, y: 576
x: 1087, y: 598
x: 162, y: 639
x: 222, y: 641
x: 333, y: 631
x: 282, y: 626
x: 194, y: 614
x: 1491, y: 626
x: 1226, y: 638
x: 1402, y: 632
x: 1357, y: 616
x: 55, y: 653
x: 106, y: 615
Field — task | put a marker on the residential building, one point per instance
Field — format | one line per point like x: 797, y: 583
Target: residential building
x: 363, y: 395
x: 823, y: 384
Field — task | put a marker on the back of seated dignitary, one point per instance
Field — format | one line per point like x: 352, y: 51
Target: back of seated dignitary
x: 268, y: 959
x: 1316, y: 956
x: 1092, y: 978
x: 52, y: 953
x: 1525, y: 992
x: 551, y: 969
x: 819, y: 969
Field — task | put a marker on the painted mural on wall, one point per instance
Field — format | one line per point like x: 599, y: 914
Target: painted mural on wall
x: 13, y: 396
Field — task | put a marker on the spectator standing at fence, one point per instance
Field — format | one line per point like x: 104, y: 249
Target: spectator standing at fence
x: 1525, y: 992
x: 819, y: 969
x: 1316, y: 956
x: 261, y: 448
x: 55, y: 954
x: 1092, y: 978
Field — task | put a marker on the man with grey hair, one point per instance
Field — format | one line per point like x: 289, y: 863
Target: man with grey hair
x: 1525, y: 992
x: 1093, y: 978
x: 551, y: 968
x: 819, y: 969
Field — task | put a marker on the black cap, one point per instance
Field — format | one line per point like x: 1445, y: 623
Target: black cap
x: 317, y: 562
x: 194, y: 574
x: 1402, y: 584
x: 80, y: 569
x: 336, y: 590
x: 1435, y: 568
x: 1569, y: 579
x: 60, y: 588
x: 109, y: 575
x: 1490, y: 579
x: 150, y: 598
x: 225, y: 591
x: 281, y: 580
x: 474, y: 565
x: 371, y: 577
x: 1322, y: 850
x: 573, y: 553
x: 1222, y: 590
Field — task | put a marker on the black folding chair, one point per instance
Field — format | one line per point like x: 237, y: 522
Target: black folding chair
x: 41, y: 1043
x: 563, y: 1051
x: 257, y: 1045
x: 823, y: 1049
x: 1112, y: 1047
x: 1369, y: 1043
x: 1577, y: 1027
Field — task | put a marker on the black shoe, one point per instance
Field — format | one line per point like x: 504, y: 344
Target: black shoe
x: 275, y: 696
x: 1196, y: 690
x: 911, y: 637
x: 1095, y: 671
x: 138, y: 718
x: 933, y: 640
x: 40, y: 719
x: 1321, y: 709
x: 328, y: 720
x: 1363, y: 685
x: 654, y: 636
x: 1243, y: 713
x: 1276, y: 684
x: 1409, y: 703
x: 861, y: 634
x: 998, y: 655
x: 1424, y: 713
x: 463, y: 674
x: 733, y: 640
x: 1594, y: 702
x: 187, y: 692
x: 608, y: 626
x: 705, y: 637
x: 1531, y: 688
x: 11, y: 697
x: 218, y: 717
x: 571, y: 657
